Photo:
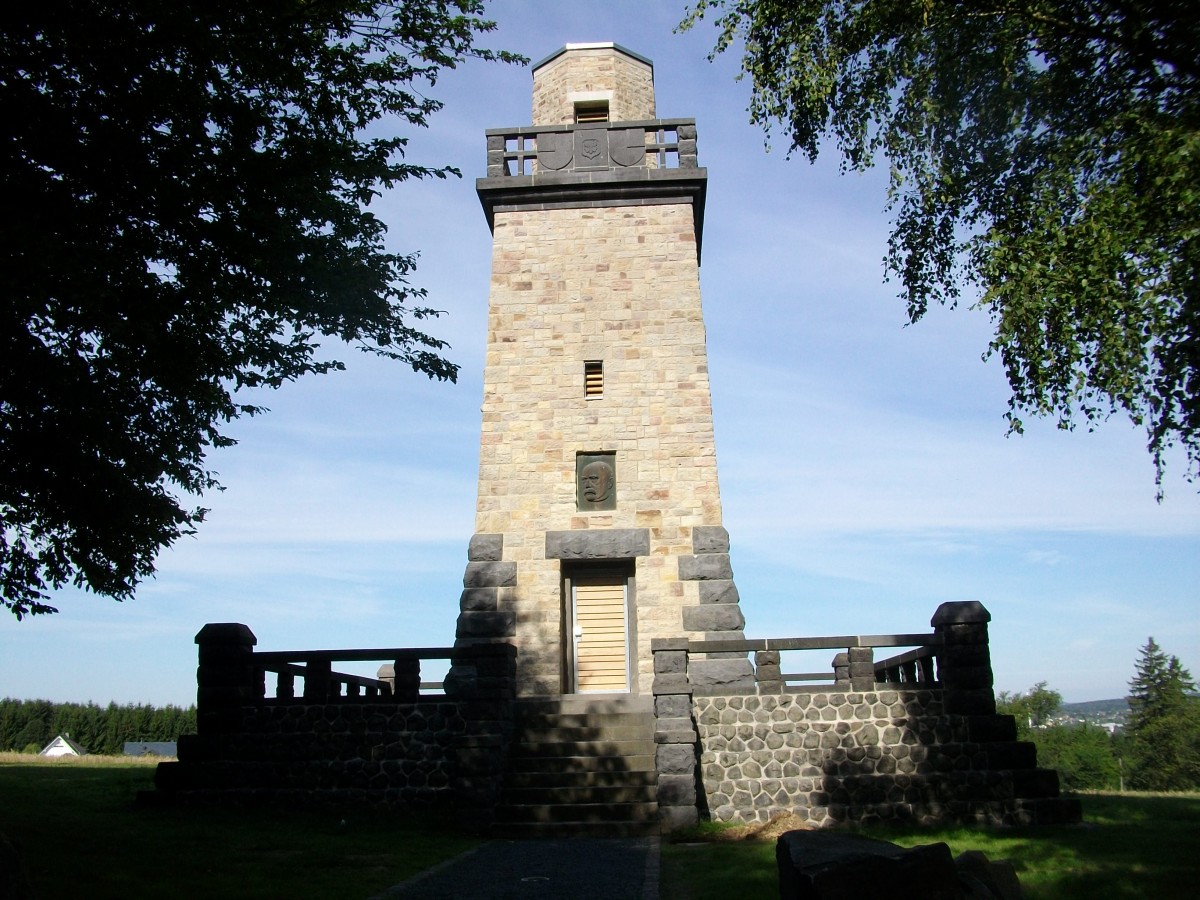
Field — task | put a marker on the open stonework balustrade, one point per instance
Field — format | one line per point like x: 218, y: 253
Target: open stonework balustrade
x: 914, y: 737
x: 341, y: 737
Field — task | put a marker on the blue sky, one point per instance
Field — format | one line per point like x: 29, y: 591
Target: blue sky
x: 865, y: 473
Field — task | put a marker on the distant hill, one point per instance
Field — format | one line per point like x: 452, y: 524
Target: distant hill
x: 1095, y: 711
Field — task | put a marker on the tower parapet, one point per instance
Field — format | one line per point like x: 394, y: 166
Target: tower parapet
x: 598, y: 523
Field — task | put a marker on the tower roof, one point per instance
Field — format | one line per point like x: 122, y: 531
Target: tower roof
x: 594, y: 45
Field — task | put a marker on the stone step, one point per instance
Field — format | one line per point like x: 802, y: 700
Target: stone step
x: 578, y: 727
x: 589, y: 704
x: 1036, y: 784
x: 637, y: 763
x: 582, y: 779
x: 988, y: 729
x: 578, y: 812
x: 578, y: 794
x: 512, y: 830
x: 522, y: 749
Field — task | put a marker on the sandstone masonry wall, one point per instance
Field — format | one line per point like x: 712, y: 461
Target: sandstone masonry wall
x: 626, y: 80
x: 620, y: 285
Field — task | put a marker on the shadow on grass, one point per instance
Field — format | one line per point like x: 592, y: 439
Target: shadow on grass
x: 81, y: 835
x: 1129, y: 846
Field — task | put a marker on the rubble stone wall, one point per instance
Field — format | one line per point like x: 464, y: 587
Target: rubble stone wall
x: 843, y: 757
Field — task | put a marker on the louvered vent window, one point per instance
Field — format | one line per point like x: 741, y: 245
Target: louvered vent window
x: 591, y: 111
x: 593, y: 379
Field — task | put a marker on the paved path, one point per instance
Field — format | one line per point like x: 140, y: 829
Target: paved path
x: 565, y: 869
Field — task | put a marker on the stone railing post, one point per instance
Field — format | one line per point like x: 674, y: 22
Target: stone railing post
x: 406, y: 680
x: 226, y: 679
x: 767, y: 672
x: 964, y: 659
x: 675, y: 735
x: 861, y: 668
x: 387, y: 674
x: 318, y: 677
x: 841, y: 670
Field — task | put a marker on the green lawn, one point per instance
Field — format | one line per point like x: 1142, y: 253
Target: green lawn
x: 81, y: 835
x: 1129, y: 846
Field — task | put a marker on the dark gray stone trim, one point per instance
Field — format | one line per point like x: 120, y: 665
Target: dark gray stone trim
x: 710, y: 539
x: 686, y: 123
x: 961, y: 612
x: 486, y: 548
x: 479, y: 599
x: 705, y: 567
x: 614, y: 543
x: 486, y: 624
x: 714, y: 617
x: 490, y: 574
x: 719, y: 592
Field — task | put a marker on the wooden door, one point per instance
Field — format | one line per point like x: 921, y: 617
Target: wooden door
x: 599, y: 604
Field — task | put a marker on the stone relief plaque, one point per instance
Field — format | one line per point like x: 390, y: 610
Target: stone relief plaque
x: 596, y: 481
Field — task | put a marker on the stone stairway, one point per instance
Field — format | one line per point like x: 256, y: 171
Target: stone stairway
x: 580, y: 765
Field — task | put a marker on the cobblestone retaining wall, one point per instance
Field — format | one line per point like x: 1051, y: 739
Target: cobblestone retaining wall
x: 850, y: 757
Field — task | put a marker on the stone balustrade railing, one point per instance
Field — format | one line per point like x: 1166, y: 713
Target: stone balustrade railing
x: 232, y: 676
x: 399, y: 679
x: 591, y: 147
x: 947, y: 673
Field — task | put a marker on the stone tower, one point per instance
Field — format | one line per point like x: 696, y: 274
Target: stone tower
x: 598, y: 525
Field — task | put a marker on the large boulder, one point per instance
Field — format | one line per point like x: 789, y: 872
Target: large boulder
x: 829, y: 865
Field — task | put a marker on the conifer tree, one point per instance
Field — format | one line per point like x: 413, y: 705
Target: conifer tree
x: 1164, y: 729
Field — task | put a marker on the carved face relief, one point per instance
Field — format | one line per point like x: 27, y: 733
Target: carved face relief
x: 596, y: 482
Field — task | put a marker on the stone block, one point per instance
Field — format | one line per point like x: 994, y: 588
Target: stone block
x: 673, y: 706
x: 675, y: 759
x: 676, y: 790
x: 478, y: 599
x: 670, y: 662
x: 719, y: 592
x: 486, y: 548
x: 710, y: 539
x: 963, y: 612
x: 705, y: 567
x: 676, y: 683
x: 676, y: 818
x: 715, y: 617
x: 826, y: 865
x: 486, y: 625
x: 674, y: 731
x: 668, y: 644
x: 608, y: 543
x: 490, y: 574
x: 721, y: 672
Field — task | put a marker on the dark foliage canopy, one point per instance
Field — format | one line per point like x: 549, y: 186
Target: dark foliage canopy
x: 1044, y: 152
x: 188, y: 185
x: 32, y: 724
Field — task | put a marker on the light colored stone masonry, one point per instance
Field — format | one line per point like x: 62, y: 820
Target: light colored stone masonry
x: 619, y: 285
x: 602, y: 71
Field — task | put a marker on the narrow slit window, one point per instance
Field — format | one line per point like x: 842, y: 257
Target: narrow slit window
x: 593, y: 379
x: 590, y: 111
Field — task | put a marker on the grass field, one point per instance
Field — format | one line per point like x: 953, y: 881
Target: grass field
x: 81, y: 835
x: 1129, y: 846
